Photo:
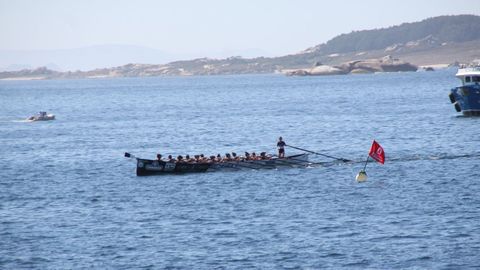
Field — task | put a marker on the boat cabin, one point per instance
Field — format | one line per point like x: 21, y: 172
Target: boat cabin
x: 469, y: 76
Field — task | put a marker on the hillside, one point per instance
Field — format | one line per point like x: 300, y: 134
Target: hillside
x: 438, y: 40
x: 432, y: 31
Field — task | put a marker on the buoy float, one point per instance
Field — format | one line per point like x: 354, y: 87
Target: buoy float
x: 361, y: 176
x: 376, y: 152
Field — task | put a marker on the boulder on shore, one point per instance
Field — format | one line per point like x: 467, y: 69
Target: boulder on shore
x: 360, y: 71
x: 296, y: 72
x: 326, y: 70
x: 315, y: 71
x: 384, y: 64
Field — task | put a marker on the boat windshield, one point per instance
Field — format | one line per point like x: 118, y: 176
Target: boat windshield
x: 471, y: 80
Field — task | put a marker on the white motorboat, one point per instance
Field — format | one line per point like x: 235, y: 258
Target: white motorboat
x: 41, y: 116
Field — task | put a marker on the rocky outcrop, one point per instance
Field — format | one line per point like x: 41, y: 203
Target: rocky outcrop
x: 326, y: 70
x: 385, y: 64
x: 38, y: 73
x: 315, y: 71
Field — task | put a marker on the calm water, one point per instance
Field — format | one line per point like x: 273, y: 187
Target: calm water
x: 68, y: 198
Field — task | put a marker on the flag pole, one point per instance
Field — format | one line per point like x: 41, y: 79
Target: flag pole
x: 362, y: 175
x: 365, y: 166
x: 376, y: 152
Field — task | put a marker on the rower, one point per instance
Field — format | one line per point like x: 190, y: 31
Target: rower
x: 247, y: 156
x: 159, y: 157
x: 219, y: 158
x: 170, y: 158
x: 281, y: 147
x: 188, y: 159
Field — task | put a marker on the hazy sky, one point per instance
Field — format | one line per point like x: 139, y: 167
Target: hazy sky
x: 274, y: 27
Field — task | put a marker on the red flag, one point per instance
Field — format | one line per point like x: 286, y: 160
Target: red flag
x: 377, y: 153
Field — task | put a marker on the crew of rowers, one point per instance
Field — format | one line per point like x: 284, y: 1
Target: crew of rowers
x: 228, y: 157
x: 203, y: 159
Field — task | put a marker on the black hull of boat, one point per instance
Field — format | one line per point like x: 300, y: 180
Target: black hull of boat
x: 153, y: 167
x: 471, y: 113
x: 147, y: 167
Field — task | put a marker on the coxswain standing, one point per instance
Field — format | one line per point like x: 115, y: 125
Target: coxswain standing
x: 281, y: 147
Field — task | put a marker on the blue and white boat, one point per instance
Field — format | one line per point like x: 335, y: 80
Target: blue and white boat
x: 41, y: 116
x: 466, y: 98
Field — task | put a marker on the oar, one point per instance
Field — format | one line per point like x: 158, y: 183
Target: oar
x: 295, y: 161
x: 320, y: 154
x: 237, y: 163
x: 300, y: 161
x: 258, y: 164
x: 128, y: 155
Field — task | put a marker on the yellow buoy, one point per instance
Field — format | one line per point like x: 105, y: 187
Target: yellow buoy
x: 361, y: 176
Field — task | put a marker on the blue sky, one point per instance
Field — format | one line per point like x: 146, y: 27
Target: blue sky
x: 205, y: 27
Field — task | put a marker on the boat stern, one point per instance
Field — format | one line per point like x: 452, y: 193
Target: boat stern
x: 466, y: 99
x: 141, y: 170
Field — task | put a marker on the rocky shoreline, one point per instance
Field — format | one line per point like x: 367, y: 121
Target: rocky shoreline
x: 214, y: 67
x: 384, y: 64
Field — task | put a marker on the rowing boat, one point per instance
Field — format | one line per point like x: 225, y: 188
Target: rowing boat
x: 153, y: 167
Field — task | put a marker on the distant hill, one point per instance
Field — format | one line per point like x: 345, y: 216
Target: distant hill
x: 85, y: 58
x: 460, y: 28
x: 439, y: 40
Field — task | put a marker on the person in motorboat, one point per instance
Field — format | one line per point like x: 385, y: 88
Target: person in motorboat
x: 41, y: 116
x: 281, y: 147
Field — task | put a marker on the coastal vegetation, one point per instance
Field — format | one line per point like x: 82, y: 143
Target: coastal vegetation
x: 433, y: 31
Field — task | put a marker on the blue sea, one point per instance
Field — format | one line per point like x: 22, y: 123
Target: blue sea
x: 70, y: 200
